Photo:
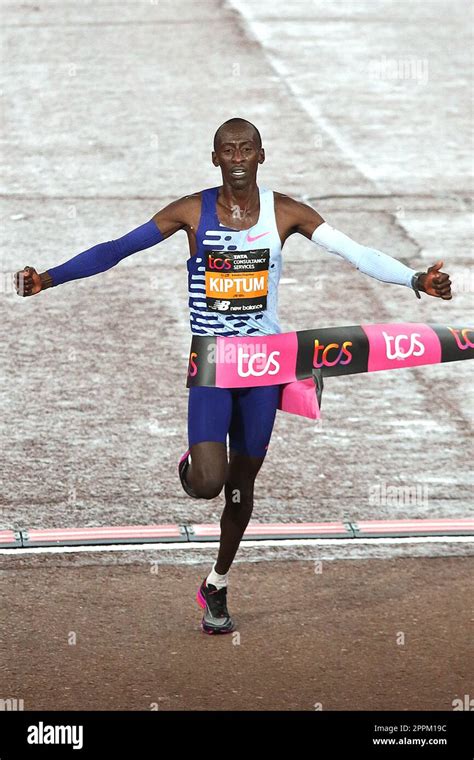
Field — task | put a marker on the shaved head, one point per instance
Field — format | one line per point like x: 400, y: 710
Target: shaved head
x: 236, y: 122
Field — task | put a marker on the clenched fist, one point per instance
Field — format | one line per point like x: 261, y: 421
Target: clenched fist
x: 28, y: 282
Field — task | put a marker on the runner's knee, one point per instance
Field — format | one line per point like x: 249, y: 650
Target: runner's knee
x: 206, y: 485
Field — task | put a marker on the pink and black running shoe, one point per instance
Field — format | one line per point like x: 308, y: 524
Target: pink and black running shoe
x: 216, y: 617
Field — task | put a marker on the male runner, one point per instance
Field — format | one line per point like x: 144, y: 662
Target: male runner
x: 220, y: 222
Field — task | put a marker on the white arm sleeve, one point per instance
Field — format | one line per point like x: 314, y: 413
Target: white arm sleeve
x: 368, y: 260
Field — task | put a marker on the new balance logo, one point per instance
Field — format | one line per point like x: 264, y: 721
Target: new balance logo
x: 221, y: 305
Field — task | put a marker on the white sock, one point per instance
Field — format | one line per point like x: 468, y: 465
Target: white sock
x: 219, y: 581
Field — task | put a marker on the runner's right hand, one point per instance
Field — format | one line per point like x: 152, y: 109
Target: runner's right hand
x: 27, y: 282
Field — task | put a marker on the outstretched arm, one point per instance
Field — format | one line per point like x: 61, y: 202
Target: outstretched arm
x: 370, y: 261
x: 103, y: 256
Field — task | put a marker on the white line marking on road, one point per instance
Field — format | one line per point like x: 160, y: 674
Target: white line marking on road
x: 259, y: 32
x: 188, y: 546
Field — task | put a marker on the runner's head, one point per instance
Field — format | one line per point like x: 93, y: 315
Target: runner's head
x: 238, y: 151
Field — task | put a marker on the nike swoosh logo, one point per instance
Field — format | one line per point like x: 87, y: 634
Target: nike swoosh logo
x: 251, y: 239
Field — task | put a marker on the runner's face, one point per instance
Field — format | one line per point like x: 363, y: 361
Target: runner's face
x: 238, y: 156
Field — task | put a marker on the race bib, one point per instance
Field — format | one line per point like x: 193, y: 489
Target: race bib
x: 237, y: 281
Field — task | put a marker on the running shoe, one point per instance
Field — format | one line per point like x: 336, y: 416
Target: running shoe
x: 183, y: 466
x: 216, y: 616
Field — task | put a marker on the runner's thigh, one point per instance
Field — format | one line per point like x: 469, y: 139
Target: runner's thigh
x: 209, y: 416
x: 253, y: 416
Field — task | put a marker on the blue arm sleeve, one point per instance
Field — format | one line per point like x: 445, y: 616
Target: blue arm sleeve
x: 106, y: 255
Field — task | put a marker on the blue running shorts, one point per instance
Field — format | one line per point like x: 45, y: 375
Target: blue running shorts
x: 245, y: 414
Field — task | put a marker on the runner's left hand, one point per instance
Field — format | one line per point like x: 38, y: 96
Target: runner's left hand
x: 436, y: 283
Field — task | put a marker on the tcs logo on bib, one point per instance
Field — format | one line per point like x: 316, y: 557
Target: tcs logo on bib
x: 216, y: 262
